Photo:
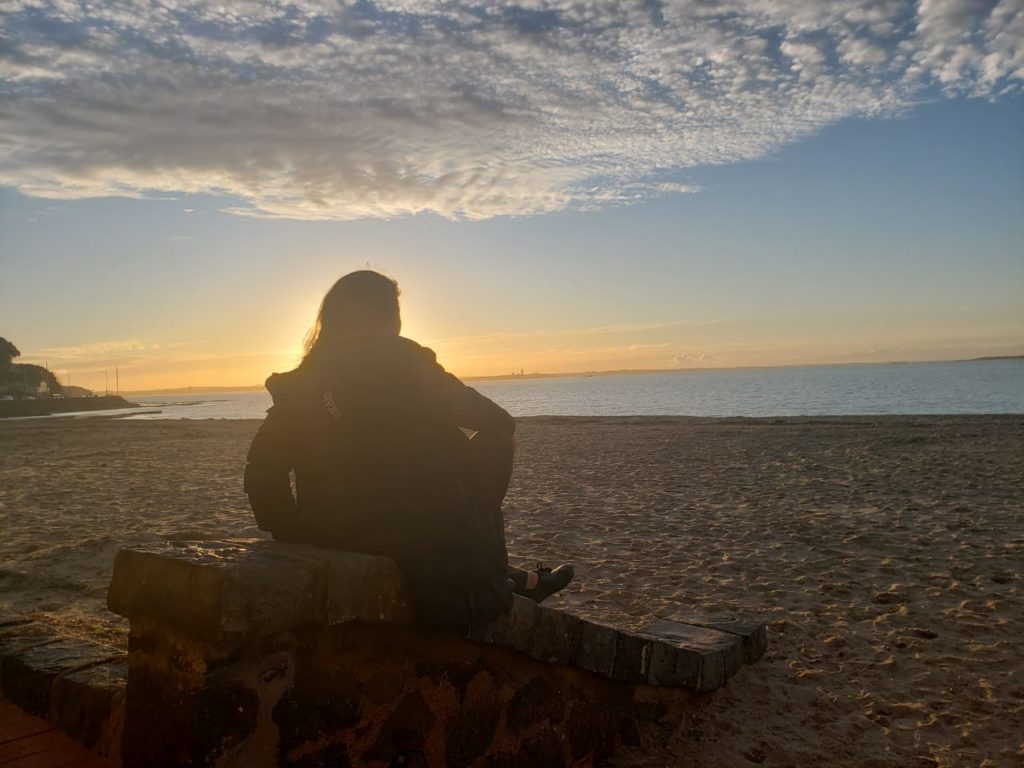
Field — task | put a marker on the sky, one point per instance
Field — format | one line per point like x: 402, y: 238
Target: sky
x: 556, y: 186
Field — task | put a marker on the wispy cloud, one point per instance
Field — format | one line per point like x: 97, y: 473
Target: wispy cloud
x: 94, y: 349
x: 600, y: 330
x: 324, y: 110
x: 106, y: 351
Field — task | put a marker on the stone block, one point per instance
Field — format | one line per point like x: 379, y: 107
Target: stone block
x: 541, y: 700
x: 459, y: 673
x: 515, y: 628
x: 542, y: 749
x: 753, y: 634
x: 386, y: 684
x: 359, y: 586
x: 15, y: 637
x: 694, y: 657
x: 555, y: 637
x: 596, y: 651
x: 319, y: 704
x: 404, y: 731
x: 88, y: 703
x: 169, y: 726
x: 336, y: 756
x: 212, y: 590
x: 29, y: 674
x: 13, y: 620
x: 673, y: 666
x: 629, y: 732
x: 632, y: 658
x: 470, y: 732
x: 591, y: 731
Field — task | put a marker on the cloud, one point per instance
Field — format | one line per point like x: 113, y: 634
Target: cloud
x: 105, y: 351
x: 600, y: 330
x: 316, y: 109
x: 91, y: 350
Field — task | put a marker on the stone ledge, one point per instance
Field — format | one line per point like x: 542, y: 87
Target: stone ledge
x: 217, y: 590
x: 692, y: 657
x: 214, y: 591
x: 255, y: 654
x: 76, y: 684
x: 753, y: 634
x: 358, y: 586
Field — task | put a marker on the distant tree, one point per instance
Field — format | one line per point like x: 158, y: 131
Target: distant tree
x: 7, y: 352
x: 27, y: 378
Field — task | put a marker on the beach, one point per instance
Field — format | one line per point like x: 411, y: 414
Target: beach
x: 885, y: 554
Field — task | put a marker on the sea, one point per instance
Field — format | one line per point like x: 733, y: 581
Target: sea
x: 969, y: 387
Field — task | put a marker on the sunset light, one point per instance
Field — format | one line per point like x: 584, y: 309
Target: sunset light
x: 475, y: 384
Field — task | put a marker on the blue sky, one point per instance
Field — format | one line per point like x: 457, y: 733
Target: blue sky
x: 556, y: 188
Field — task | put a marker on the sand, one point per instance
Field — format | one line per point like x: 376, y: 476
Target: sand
x: 886, y: 555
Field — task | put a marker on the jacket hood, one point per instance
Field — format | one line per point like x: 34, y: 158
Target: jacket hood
x: 363, y: 353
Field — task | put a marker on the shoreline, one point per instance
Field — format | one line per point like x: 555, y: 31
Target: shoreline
x: 20, y: 409
x: 883, y: 551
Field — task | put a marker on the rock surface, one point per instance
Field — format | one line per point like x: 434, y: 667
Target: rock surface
x: 216, y: 590
x: 76, y: 684
x: 252, y: 653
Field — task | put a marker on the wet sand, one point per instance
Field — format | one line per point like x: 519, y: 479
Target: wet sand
x: 886, y: 555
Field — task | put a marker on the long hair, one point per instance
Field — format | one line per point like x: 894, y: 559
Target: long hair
x: 360, y: 303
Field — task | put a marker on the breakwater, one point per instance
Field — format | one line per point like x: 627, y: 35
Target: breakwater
x: 49, y: 406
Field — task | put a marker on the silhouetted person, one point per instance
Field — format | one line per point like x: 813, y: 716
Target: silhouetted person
x: 372, y: 427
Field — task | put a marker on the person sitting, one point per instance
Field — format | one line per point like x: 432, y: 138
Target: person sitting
x: 375, y: 431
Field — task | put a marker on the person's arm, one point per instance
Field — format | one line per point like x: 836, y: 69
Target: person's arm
x: 474, y: 411
x: 267, y: 480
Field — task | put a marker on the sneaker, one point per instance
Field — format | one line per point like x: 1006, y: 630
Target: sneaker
x: 549, y: 581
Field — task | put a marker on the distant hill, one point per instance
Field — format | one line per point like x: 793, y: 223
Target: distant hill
x: 195, y: 390
x: 78, y: 392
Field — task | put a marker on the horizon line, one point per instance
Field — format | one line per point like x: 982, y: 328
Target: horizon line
x: 578, y: 374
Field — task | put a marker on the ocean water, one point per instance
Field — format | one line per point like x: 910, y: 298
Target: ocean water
x: 988, y: 386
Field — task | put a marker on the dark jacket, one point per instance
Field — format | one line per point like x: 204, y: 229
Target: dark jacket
x: 381, y: 466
